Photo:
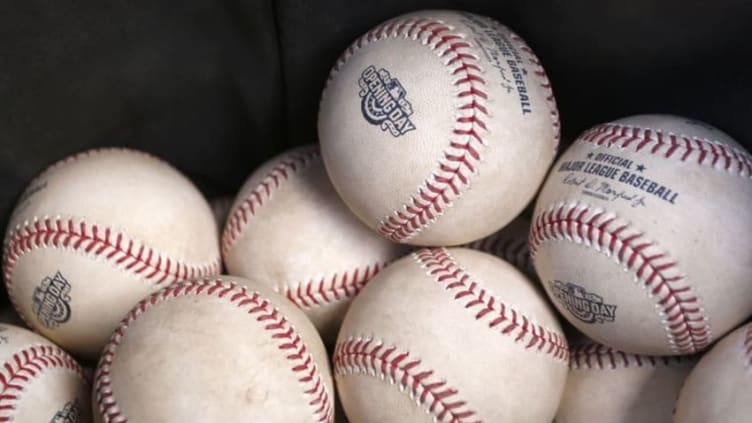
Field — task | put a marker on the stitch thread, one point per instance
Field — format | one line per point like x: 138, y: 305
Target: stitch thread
x: 369, y: 357
x: 98, y: 241
x: 312, y: 293
x: 671, y: 146
x: 23, y: 367
x: 597, y: 356
x: 283, y: 170
x: 443, y: 268
x: 284, y: 335
x: 687, y: 328
x: 338, y: 287
x: 463, y: 155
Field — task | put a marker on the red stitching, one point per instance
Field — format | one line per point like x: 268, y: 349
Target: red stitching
x: 748, y: 346
x: 98, y: 241
x: 679, y: 147
x: 509, y: 247
x: 686, y: 326
x: 441, y: 266
x: 462, y: 156
x: 369, y: 357
x: 597, y: 356
x: 279, y: 329
x: 23, y: 367
x: 283, y: 169
x: 335, y: 288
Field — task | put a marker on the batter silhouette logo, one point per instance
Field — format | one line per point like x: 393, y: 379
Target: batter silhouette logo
x: 383, y: 101
x: 584, y: 305
x: 51, y: 301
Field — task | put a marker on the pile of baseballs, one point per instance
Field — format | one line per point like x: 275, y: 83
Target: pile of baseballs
x: 398, y: 261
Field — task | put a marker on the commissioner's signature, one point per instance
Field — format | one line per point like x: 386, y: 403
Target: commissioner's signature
x: 597, y: 188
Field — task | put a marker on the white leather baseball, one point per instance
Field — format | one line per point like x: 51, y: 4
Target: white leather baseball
x: 214, y: 351
x: 94, y: 234
x: 609, y: 386
x: 510, y: 245
x: 450, y: 335
x: 437, y: 127
x: 39, y: 382
x: 639, y: 234
x: 289, y: 229
x: 718, y: 389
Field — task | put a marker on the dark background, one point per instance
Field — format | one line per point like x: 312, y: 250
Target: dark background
x: 217, y: 87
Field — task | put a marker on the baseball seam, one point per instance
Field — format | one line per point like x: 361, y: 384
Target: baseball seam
x: 484, y: 307
x: 331, y: 289
x: 684, y: 321
x: 671, y: 146
x: 367, y: 356
x: 282, y: 170
x: 463, y: 155
x: 314, y: 292
x: 23, y: 367
x: 596, y: 356
x: 287, y: 340
x: 98, y: 241
x: 510, y: 248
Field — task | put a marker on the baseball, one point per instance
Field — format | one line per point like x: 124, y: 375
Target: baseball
x: 94, y: 234
x: 640, y: 234
x: 288, y: 228
x: 39, y: 382
x: 214, y: 351
x: 718, y: 389
x: 450, y: 335
x: 609, y: 386
x: 437, y: 127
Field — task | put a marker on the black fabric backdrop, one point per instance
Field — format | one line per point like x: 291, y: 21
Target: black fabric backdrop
x: 217, y: 87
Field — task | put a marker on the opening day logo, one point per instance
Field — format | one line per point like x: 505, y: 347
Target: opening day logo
x: 383, y: 101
